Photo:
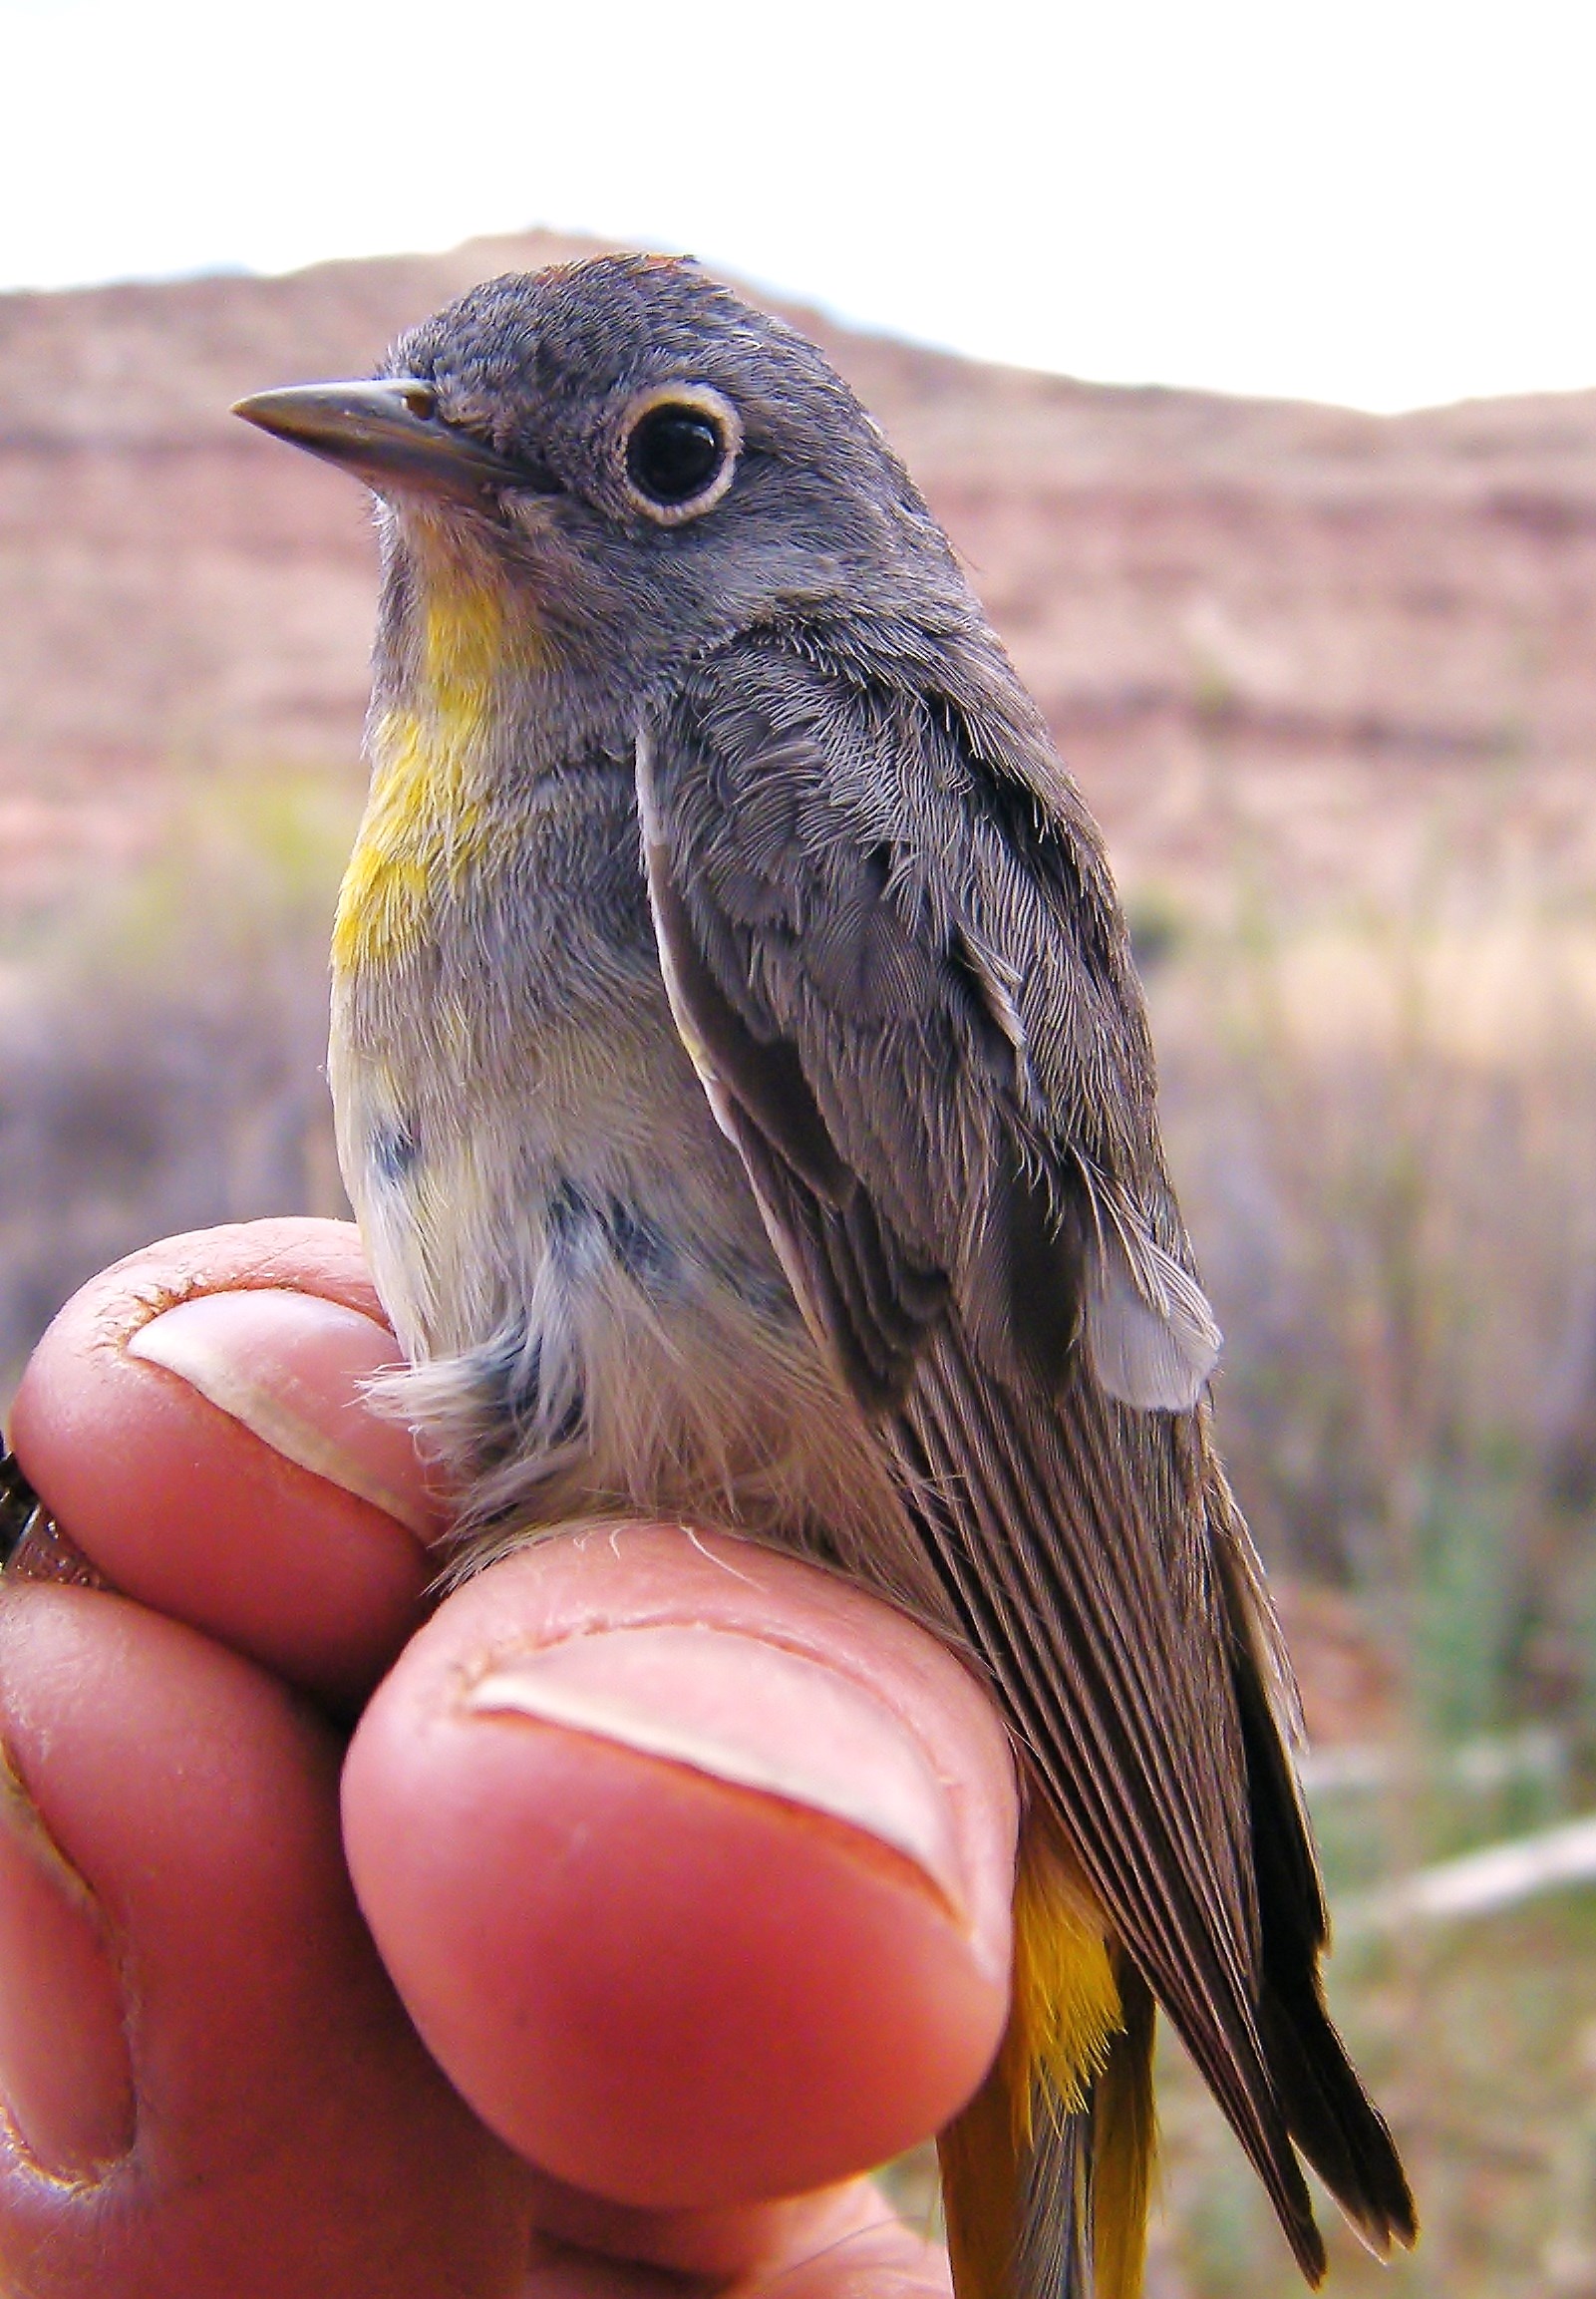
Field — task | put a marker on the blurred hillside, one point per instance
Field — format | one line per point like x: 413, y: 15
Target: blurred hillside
x: 1329, y: 681
x: 1369, y: 616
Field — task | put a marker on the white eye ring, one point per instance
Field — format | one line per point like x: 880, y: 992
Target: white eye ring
x: 709, y: 421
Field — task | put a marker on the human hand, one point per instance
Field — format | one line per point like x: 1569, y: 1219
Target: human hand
x: 682, y: 1869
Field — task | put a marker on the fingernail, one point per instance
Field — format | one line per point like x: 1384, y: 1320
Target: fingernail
x: 292, y: 1367
x: 66, y: 2078
x: 737, y: 1708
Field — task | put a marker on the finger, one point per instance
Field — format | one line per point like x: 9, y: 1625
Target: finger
x: 842, y: 2239
x: 197, y: 1418
x: 691, y: 1862
x: 209, y: 2084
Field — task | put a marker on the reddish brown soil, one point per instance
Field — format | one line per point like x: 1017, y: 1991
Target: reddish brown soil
x: 1316, y: 639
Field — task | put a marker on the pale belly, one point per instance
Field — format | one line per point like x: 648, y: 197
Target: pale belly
x: 567, y: 1245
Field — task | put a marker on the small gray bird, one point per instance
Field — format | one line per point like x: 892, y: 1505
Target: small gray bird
x: 745, y: 1092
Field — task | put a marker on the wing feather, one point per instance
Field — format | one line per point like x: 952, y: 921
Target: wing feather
x: 894, y: 950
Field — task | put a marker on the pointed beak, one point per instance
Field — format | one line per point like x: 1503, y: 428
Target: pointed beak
x: 390, y: 434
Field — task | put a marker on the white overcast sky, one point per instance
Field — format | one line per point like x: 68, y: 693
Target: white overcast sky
x: 1388, y: 202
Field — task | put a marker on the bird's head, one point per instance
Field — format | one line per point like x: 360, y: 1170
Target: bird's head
x: 591, y: 475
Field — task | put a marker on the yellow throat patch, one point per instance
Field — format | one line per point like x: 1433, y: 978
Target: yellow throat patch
x: 425, y: 825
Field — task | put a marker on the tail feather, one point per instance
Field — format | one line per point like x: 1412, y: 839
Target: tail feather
x: 1332, y: 2119
x: 1052, y: 2258
x: 1045, y: 2174
x: 1329, y: 2115
x: 1061, y: 2214
x: 987, y: 2196
x: 1124, y: 2143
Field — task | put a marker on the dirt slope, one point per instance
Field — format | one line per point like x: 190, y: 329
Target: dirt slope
x: 1314, y: 639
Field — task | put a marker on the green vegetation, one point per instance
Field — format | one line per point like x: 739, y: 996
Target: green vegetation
x: 162, y: 1047
x: 1381, y: 1124
x: 1481, y: 2040
x: 1382, y: 1130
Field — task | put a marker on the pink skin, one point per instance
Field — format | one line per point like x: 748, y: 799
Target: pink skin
x: 624, y: 1922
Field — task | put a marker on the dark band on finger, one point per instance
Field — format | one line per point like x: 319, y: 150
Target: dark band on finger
x: 32, y: 1544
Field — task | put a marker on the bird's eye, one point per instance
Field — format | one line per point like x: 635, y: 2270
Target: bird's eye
x: 672, y: 454
x: 681, y: 452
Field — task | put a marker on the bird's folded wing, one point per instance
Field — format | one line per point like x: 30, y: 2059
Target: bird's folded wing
x: 902, y: 976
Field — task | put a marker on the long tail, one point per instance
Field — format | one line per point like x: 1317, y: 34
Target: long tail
x: 1045, y: 2175
x: 1329, y: 2115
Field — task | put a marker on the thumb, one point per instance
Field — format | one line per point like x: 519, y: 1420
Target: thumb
x: 691, y: 1862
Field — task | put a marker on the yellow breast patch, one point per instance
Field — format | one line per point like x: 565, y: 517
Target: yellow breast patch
x: 425, y: 823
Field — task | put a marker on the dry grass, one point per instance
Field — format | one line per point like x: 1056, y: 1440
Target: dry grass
x: 1481, y: 2042
x: 1381, y: 1132
x: 162, y: 1048
x: 1382, y: 1126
